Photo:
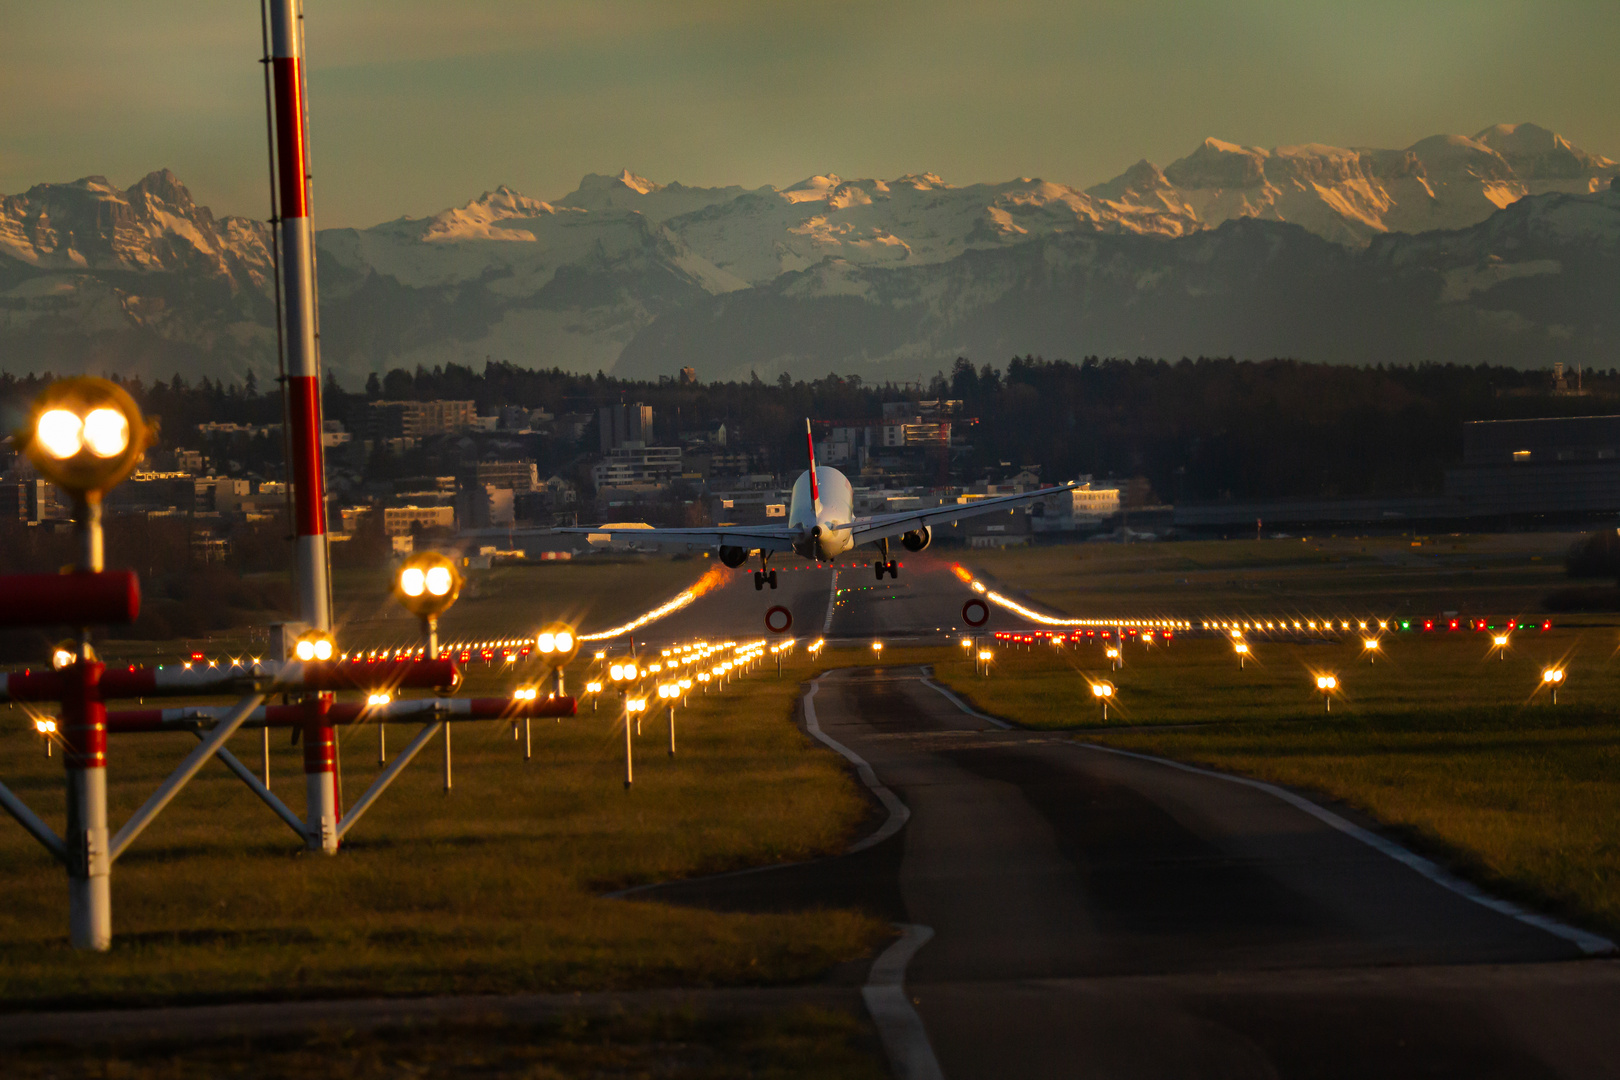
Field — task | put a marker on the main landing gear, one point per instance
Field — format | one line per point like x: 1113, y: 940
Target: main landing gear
x: 764, y: 575
x: 886, y: 565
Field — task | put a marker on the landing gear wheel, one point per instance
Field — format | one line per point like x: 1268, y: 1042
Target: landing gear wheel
x: 770, y: 578
x: 891, y: 568
x: 880, y: 568
x: 894, y: 570
x: 759, y: 580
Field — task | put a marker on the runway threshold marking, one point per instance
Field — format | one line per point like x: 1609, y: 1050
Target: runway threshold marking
x: 1589, y: 943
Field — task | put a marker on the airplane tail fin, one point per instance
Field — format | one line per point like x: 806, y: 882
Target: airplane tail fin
x: 810, y: 445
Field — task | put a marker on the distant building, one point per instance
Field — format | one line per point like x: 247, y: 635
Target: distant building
x: 418, y: 419
x: 638, y: 465
x: 514, y: 475
x: 397, y: 520
x: 624, y: 425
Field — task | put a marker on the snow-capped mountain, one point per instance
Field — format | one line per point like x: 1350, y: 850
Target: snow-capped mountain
x: 1351, y: 195
x: 631, y: 275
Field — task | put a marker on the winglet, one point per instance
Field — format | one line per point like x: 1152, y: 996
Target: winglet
x: 810, y: 445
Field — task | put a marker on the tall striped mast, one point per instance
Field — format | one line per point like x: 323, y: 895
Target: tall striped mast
x: 302, y: 389
x: 302, y: 393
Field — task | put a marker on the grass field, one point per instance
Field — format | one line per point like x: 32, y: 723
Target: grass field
x: 1442, y: 738
x: 1497, y: 574
x: 493, y: 887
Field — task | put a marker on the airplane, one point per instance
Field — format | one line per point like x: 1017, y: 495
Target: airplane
x: 821, y: 524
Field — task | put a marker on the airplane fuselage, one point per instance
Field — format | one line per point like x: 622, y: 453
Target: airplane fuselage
x: 824, y: 532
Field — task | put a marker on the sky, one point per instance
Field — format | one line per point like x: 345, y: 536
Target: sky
x: 416, y: 106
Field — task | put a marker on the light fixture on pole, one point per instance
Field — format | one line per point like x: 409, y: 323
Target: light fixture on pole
x: 1327, y: 685
x: 427, y: 585
x: 1103, y: 692
x: 86, y: 435
x: 1370, y: 647
x: 1242, y: 650
x: 1552, y: 678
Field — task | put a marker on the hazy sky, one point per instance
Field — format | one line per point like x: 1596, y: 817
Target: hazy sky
x: 416, y: 106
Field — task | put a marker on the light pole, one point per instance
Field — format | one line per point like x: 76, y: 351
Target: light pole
x: 1113, y: 657
x: 1242, y: 650
x: 557, y: 644
x: 624, y: 676
x: 1551, y: 678
x: 1500, y: 643
x: 86, y: 436
x: 670, y: 692
x: 428, y: 584
x: 1327, y: 684
x: 1370, y: 647
x: 1103, y: 692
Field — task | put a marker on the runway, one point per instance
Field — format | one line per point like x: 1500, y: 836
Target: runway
x: 925, y: 600
x: 1099, y: 915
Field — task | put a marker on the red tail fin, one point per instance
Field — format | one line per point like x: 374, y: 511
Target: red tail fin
x: 810, y: 444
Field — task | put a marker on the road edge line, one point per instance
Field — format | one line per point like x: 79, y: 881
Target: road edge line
x: 965, y: 707
x: 1590, y: 943
x: 899, y: 813
x: 905, y: 1038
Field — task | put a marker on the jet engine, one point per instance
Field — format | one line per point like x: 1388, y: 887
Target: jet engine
x: 917, y: 539
x: 734, y: 556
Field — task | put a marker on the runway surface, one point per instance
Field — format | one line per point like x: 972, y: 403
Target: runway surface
x: 1099, y: 915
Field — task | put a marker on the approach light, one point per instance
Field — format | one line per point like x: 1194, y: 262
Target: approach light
x: 1553, y: 675
x: 685, y: 684
x: 557, y: 644
x: 525, y: 693
x: 1102, y: 689
x: 86, y: 435
x: 877, y: 646
x: 428, y: 584
x: 314, y: 646
x: 1112, y: 653
x: 1369, y: 643
x: 985, y: 655
x: 375, y: 700
x: 593, y: 688
x: 1327, y: 683
x: 64, y: 655
x: 1241, y: 648
x: 45, y: 726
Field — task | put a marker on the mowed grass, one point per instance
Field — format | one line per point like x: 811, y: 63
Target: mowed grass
x: 1504, y: 575
x: 494, y: 887
x: 1442, y: 738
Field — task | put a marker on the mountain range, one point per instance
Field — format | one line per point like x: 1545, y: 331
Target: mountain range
x: 1502, y: 246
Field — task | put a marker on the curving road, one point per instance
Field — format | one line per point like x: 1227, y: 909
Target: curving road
x: 1095, y: 914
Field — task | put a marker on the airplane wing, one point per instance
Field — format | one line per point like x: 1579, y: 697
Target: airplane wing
x: 865, y: 530
x: 764, y: 537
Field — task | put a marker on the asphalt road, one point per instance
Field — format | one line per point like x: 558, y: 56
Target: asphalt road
x: 1098, y: 915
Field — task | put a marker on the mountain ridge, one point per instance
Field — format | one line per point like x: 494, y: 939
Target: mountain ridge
x: 597, y: 279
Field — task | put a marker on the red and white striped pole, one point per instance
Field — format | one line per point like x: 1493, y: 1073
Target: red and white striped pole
x: 303, y: 387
